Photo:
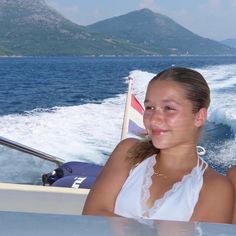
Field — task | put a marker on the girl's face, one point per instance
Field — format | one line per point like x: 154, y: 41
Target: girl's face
x: 168, y: 116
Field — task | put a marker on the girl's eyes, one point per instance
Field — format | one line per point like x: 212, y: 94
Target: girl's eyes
x: 149, y: 108
x: 165, y: 108
x: 169, y: 108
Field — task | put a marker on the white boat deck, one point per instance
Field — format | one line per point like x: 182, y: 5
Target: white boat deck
x: 39, y: 210
x: 41, y: 199
x: 28, y: 224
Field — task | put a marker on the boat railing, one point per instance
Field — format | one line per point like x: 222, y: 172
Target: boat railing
x: 23, y: 148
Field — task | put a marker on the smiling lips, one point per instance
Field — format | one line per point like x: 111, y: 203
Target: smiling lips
x: 158, y: 131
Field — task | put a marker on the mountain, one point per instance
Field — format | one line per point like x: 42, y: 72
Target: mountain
x: 4, y: 51
x: 32, y: 28
x: 157, y: 33
x: 229, y: 42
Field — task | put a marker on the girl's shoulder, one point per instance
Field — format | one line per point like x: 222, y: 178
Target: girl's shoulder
x: 216, y: 199
x: 119, y: 154
x: 217, y: 184
x: 124, y: 146
x: 128, y: 143
x: 212, y: 177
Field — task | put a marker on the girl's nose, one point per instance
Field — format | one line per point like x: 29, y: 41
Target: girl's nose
x: 157, y: 116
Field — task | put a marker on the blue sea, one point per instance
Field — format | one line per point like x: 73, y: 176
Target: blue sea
x: 72, y: 107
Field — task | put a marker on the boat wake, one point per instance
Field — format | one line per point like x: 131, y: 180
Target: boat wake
x: 89, y: 132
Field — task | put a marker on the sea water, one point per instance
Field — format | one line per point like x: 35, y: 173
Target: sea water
x: 72, y: 107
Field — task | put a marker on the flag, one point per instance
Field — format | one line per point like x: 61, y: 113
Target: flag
x: 135, y: 121
x: 133, y: 116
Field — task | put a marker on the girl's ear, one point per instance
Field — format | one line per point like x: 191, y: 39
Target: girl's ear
x: 201, y: 117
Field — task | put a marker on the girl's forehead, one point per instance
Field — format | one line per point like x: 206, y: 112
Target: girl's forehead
x: 161, y: 82
x: 160, y: 85
x: 165, y: 90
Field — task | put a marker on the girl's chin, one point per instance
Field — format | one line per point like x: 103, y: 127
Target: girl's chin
x: 159, y: 145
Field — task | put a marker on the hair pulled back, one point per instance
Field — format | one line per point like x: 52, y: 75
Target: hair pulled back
x: 196, y: 91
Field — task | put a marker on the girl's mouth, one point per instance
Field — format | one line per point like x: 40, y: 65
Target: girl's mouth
x: 158, y: 131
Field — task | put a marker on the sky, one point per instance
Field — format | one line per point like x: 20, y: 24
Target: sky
x: 214, y: 19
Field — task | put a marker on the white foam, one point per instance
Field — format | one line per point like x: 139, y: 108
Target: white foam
x: 222, y: 81
x: 83, y: 132
x: 140, y: 82
x: 223, y: 154
x: 221, y: 76
x: 90, y: 132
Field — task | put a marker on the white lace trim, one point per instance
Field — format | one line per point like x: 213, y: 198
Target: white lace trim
x: 197, y: 171
x: 147, y: 182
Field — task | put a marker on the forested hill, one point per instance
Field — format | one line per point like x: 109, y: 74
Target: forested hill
x: 32, y: 28
x: 159, y: 33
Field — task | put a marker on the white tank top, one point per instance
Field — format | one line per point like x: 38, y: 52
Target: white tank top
x: 177, y: 204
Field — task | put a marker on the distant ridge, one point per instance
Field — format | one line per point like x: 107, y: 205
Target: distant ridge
x: 229, y: 42
x: 32, y: 28
x: 157, y: 33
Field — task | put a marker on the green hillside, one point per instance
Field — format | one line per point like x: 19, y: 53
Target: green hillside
x: 158, y: 33
x: 32, y: 28
x: 5, y: 52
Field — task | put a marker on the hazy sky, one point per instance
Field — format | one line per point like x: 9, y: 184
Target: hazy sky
x: 214, y: 19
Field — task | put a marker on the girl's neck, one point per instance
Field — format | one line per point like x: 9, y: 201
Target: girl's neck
x: 185, y: 157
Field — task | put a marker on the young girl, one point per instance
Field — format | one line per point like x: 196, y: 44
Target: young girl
x: 163, y: 177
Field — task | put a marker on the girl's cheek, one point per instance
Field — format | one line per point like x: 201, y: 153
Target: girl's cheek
x: 144, y: 116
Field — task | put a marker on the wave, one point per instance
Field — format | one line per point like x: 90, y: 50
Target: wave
x: 85, y: 132
x: 90, y: 132
x: 222, y: 81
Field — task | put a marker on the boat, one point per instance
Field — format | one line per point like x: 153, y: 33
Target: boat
x: 23, y: 196
x: 73, y: 174
x: 64, y: 188
x: 55, y: 205
x: 28, y: 209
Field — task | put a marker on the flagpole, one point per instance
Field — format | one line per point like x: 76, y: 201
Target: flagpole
x: 127, y: 107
